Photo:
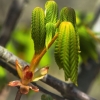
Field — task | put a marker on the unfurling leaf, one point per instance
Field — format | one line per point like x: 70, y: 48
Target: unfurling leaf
x: 19, y: 69
x: 38, y: 29
x: 40, y: 73
x: 68, y: 14
x: 66, y: 51
x: 50, y: 32
x: 51, y: 11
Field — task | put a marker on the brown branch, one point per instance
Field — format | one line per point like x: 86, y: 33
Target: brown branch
x: 11, y: 20
x: 69, y: 91
x: 10, y: 66
x: 18, y: 95
x: 56, y: 97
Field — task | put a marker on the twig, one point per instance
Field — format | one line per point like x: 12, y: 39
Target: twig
x: 36, y: 58
x: 10, y: 66
x: 68, y: 91
x: 11, y: 20
x: 18, y: 95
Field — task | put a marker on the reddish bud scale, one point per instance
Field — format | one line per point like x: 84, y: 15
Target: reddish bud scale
x: 26, y: 68
x: 28, y: 75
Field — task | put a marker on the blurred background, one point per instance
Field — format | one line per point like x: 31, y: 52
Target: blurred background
x: 88, y: 22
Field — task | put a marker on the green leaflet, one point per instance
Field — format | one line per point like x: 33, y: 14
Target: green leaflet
x: 51, y: 16
x: 38, y: 29
x: 51, y: 11
x: 50, y: 32
x: 66, y: 51
x: 68, y: 14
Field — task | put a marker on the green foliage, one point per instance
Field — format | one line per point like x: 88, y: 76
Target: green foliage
x: 66, y: 51
x: 46, y: 97
x: 38, y: 29
x: 50, y: 32
x: 45, y: 24
x: 67, y: 44
x: 51, y: 11
x: 68, y: 14
x: 51, y: 17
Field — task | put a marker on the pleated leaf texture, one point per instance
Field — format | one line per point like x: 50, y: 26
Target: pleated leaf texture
x: 51, y: 11
x: 66, y: 51
x: 68, y: 14
x: 51, y: 17
x: 38, y: 29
